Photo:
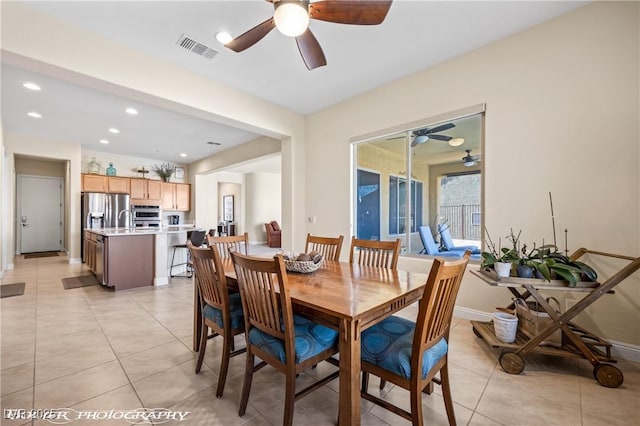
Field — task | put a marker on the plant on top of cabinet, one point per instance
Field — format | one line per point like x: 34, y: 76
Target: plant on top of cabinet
x: 164, y: 170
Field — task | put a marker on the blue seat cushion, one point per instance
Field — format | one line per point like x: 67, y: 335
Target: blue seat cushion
x: 388, y: 345
x: 311, y: 339
x: 235, y: 305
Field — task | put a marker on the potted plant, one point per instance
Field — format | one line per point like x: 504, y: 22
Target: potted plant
x: 499, y: 259
x: 164, y: 170
x: 550, y: 263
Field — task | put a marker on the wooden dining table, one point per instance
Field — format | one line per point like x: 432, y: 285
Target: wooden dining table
x: 348, y: 298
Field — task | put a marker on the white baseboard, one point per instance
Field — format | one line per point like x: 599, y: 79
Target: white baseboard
x: 619, y: 350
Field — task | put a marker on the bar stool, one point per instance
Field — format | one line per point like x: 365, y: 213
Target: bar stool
x: 197, y: 239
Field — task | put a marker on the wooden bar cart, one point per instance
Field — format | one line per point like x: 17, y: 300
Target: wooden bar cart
x: 576, y: 341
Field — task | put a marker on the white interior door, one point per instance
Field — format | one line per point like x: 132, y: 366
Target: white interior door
x: 40, y: 213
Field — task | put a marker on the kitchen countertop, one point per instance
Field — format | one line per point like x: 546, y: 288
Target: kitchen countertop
x: 118, y: 232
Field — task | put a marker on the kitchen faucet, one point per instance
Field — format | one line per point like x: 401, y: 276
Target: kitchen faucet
x: 128, y: 212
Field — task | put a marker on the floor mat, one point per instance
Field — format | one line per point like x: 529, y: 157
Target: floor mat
x: 41, y: 254
x: 8, y: 290
x: 81, y: 281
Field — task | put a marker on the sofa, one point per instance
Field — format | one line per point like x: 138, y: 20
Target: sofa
x: 273, y: 233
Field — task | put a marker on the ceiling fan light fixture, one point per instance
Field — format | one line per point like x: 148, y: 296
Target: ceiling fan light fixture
x: 469, y: 163
x: 420, y: 139
x: 456, y: 141
x: 291, y: 19
x: 223, y: 37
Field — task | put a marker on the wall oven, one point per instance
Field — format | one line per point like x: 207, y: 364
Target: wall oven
x: 147, y: 216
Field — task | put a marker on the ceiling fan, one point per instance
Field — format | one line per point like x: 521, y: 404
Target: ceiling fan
x: 423, y: 135
x: 470, y: 160
x: 291, y: 17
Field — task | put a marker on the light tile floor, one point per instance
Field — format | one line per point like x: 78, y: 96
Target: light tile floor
x: 94, y: 349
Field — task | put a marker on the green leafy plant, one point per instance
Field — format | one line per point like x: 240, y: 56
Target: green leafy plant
x: 164, y: 170
x: 499, y: 254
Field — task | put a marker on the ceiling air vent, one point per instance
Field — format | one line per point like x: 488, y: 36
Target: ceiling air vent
x: 196, y: 47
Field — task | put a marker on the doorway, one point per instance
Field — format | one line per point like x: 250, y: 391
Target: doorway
x: 40, y: 213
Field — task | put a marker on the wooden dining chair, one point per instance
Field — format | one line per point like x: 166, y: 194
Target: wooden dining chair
x: 328, y: 247
x: 289, y: 343
x: 239, y: 243
x: 385, y: 345
x: 221, y: 311
x: 383, y: 254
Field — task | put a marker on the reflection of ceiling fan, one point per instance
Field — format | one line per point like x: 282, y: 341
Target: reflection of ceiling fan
x: 423, y: 135
x: 470, y: 160
x: 291, y: 17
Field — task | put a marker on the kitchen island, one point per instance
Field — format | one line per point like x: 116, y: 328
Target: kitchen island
x: 125, y: 258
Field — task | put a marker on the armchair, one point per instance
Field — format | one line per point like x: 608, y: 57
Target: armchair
x: 273, y: 234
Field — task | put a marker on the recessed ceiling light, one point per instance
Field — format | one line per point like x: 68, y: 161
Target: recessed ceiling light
x: 31, y: 86
x: 104, y: 141
x: 34, y: 115
x: 132, y: 111
x: 223, y: 37
x: 456, y: 141
x: 182, y: 154
x: 114, y: 130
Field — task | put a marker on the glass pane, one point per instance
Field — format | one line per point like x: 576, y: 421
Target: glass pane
x: 368, y: 205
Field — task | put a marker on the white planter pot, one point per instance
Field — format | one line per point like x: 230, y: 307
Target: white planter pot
x: 502, y: 269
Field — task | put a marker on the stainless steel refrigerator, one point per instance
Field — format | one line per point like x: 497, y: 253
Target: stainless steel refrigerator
x: 101, y: 210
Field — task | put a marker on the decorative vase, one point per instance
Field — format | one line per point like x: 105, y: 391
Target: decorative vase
x: 111, y: 171
x: 503, y: 269
x: 93, y: 167
x: 524, y: 271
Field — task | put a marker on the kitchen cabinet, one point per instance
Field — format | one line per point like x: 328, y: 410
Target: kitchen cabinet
x: 146, y: 192
x: 120, y: 185
x: 94, y: 183
x: 90, y: 250
x: 176, y: 196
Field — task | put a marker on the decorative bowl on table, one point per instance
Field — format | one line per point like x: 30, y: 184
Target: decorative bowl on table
x: 303, y: 263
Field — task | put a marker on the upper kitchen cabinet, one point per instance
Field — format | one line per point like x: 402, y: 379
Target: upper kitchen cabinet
x: 120, y: 185
x: 146, y: 192
x: 176, y: 196
x: 94, y: 183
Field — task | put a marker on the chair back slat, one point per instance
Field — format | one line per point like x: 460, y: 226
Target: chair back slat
x: 264, y: 294
x: 210, y: 278
x: 382, y: 254
x: 328, y: 247
x: 239, y: 243
x: 437, y: 303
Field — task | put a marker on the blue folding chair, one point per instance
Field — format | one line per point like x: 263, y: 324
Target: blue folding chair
x: 448, y: 241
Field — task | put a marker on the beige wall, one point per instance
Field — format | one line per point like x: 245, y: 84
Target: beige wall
x: 263, y: 200
x: 4, y: 262
x: 127, y: 165
x: 561, y: 116
x: 38, y: 167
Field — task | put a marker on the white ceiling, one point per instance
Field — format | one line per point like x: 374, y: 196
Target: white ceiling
x: 415, y: 35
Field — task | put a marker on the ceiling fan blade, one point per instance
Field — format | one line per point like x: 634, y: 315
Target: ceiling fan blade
x: 310, y: 50
x: 442, y: 128
x: 251, y: 37
x: 440, y: 137
x: 366, y: 12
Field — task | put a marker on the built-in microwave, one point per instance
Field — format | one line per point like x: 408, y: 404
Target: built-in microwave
x: 148, y: 216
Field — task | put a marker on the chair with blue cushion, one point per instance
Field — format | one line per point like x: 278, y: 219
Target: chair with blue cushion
x: 410, y: 354
x: 447, y: 241
x: 289, y: 343
x: 221, y: 311
x: 430, y: 246
x: 381, y: 254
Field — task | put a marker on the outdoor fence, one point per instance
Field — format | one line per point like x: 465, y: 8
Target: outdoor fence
x: 464, y: 221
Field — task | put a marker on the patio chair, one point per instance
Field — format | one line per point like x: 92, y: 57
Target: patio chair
x: 410, y: 354
x: 430, y: 246
x: 448, y: 241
